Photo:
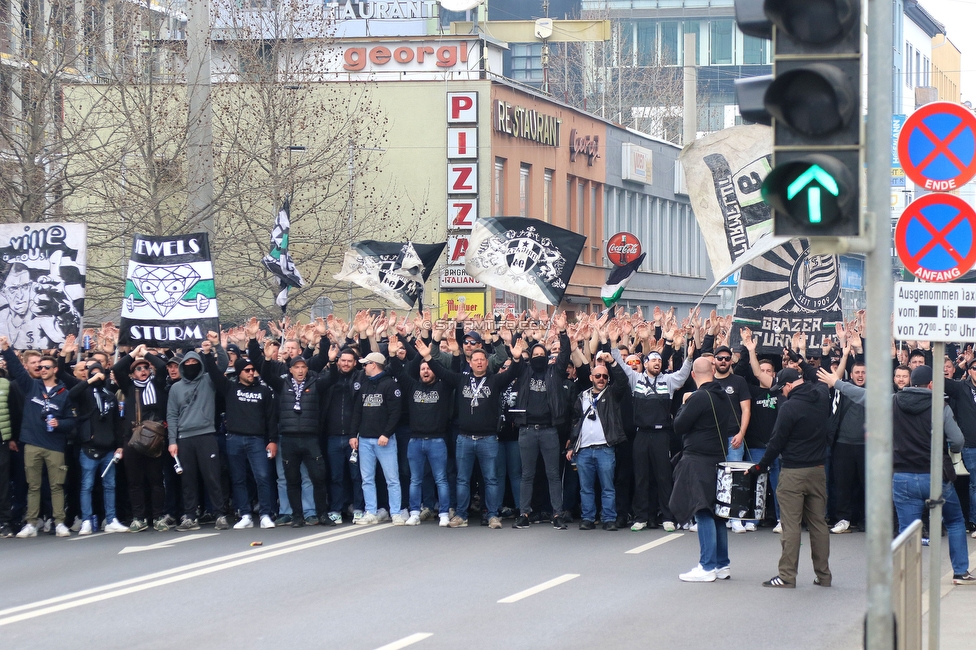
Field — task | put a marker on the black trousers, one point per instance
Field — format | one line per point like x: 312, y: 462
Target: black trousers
x: 652, y: 461
x: 848, y: 469
x: 294, y: 451
x: 141, y: 469
x: 199, y: 454
x: 623, y: 482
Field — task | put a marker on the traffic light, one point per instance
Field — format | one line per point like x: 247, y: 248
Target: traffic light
x: 814, y: 101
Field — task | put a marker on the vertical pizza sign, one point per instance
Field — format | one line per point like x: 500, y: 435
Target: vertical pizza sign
x: 462, y: 186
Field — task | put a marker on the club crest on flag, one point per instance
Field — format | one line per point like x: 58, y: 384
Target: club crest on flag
x: 523, y: 251
x: 396, y: 271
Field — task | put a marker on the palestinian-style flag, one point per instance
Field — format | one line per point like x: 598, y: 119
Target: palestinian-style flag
x: 395, y: 270
x: 278, y: 261
x: 170, y: 297
x: 618, y: 279
x: 527, y: 257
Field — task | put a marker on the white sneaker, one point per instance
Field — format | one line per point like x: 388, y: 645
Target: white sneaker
x: 29, y: 530
x: 115, y: 527
x: 723, y: 572
x: 85, y: 528
x: 974, y: 534
x: 698, y: 574
x: 336, y: 518
x: 750, y: 527
x: 694, y: 527
x: 357, y: 515
x: 62, y: 531
x: 445, y: 521
x: 668, y: 526
x: 639, y: 525
x: 245, y: 522
x: 414, y: 519
x: 737, y: 526
x: 368, y: 519
x: 842, y: 526
x: 398, y: 520
x: 266, y: 522
x: 382, y: 514
x: 778, y: 528
x: 76, y: 525
x: 46, y: 525
x: 728, y: 523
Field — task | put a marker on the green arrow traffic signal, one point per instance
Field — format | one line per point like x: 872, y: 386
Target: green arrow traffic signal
x: 804, y: 180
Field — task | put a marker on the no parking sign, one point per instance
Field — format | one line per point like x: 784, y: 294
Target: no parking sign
x: 937, y: 146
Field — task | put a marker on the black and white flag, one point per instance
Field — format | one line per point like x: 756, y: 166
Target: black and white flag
x: 527, y: 257
x: 278, y: 261
x: 395, y: 270
x: 42, y: 282
x: 170, y: 298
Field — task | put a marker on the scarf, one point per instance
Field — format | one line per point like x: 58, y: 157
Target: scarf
x: 297, y: 387
x: 103, y: 401
x: 148, y: 390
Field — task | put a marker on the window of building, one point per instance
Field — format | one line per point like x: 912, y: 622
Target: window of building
x: 594, y: 242
x: 524, y: 190
x: 527, y: 61
x: 547, y: 195
x: 754, y: 50
x: 918, y: 68
x: 646, y: 43
x: 908, y: 64
x: 720, y: 42
x: 569, y: 202
x: 581, y: 211
x: 498, y: 200
x: 669, y: 43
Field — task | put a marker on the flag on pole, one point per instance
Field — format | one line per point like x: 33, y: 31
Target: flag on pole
x: 395, y: 270
x: 618, y: 279
x: 278, y: 261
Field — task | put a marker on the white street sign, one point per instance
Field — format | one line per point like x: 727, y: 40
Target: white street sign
x: 935, y: 312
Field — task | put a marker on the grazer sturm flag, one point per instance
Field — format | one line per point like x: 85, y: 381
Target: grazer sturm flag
x: 170, y: 296
x: 618, y: 279
x: 278, y: 261
x: 527, y: 257
x: 395, y: 270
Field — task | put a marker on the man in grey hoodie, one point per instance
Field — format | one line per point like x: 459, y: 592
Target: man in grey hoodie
x: 190, y: 416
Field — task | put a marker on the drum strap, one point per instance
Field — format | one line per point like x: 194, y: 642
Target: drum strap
x: 718, y: 429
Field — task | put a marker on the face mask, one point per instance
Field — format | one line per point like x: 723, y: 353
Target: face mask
x: 538, y: 363
x: 191, y: 372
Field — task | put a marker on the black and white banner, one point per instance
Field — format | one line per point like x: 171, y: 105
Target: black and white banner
x: 395, y: 270
x: 527, y: 257
x: 170, y: 298
x: 42, y: 282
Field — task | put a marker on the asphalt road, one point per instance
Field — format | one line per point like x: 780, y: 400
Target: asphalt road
x: 369, y: 587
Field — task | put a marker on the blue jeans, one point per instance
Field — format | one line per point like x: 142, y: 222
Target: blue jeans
x: 433, y: 451
x: 909, y: 492
x: 337, y: 451
x: 713, y: 541
x: 509, y: 466
x: 241, y: 452
x: 486, y: 450
x: 969, y: 460
x: 90, y: 468
x: 594, y: 463
x: 308, y: 497
x: 369, y: 453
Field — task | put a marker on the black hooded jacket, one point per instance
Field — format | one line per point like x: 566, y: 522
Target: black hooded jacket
x: 706, y: 421
x: 800, y: 434
x: 912, y: 430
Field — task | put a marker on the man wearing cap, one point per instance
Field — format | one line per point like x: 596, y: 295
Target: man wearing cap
x: 142, y: 378
x: 300, y: 397
x: 912, y: 453
x: 800, y: 437
x: 375, y: 415
x: 252, y: 436
x: 962, y: 399
x: 652, y: 391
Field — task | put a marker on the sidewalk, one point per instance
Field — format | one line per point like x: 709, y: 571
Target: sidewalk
x: 958, y: 629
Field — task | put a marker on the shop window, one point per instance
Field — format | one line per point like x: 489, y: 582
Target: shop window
x: 498, y: 200
x: 524, y: 190
x: 547, y: 196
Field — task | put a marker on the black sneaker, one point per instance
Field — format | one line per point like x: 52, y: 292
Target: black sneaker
x: 311, y: 521
x: 558, y: 523
x: 777, y: 582
x: 484, y: 519
x: 298, y: 523
x: 610, y: 525
x: 521, y: 522
x: 187, y: 524
x: 970, y: 527
x: 283, y: 520
x: 623, y: 522
x: 326, y: 520
x: 586, y: 524
x: 207, y: 518
x: 6, y: 532
x: 964, y: 579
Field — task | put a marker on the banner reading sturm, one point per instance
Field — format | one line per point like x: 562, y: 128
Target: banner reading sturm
x: 169, y: 291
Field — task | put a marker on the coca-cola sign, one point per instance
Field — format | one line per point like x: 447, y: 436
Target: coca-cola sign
x: 623, y: 248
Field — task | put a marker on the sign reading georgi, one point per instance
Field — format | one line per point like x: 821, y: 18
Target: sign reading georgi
x: 623, y: 248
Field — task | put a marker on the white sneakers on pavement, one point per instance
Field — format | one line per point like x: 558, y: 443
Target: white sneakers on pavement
x: 750, y: 527
x: 842, y: 526
x: 63, y: 531
x: 723, y: 572
x: 698, y: 574
x: 266, y: 522
x: 668, y: 527
x: 115, y: 527
x: 29, y: 530
x: 368, y: 519
x: 737, y: 526
x: 85, y: 528
x: 398, y: 520
x: 778, y: 528
x: 413, y: 519
x: 445, y: 521
x: 245, y: 522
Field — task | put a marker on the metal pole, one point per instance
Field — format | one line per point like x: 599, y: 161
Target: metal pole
x: 199, y: 135
x: 935, y: 495
x: 350, y: 208
x: 690, y: 91
x: 880, y: 626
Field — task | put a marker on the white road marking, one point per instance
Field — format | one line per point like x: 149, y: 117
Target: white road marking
x: 530, y: 591
x: 406, y: 641
x: 176, y: 574
x: 93, y: 535
x: 655, y: 543
x: 165, y: 544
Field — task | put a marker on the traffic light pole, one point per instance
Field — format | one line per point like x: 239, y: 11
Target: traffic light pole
x: 878, y: 500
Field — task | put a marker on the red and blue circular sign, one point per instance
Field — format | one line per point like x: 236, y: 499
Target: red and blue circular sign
x: 937, y: 146
x: 935, y: 236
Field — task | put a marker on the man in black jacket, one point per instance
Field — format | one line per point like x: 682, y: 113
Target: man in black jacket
x: 800, y: 435
x: 374, y: 420
x: 345, y: 481
x: 252, y: 437
x: 478, y: 409
x: 541, y: 405
x: 597, y: 429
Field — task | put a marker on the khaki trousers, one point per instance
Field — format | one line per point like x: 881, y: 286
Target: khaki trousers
x: 802, y: 496
x: 35, y: 458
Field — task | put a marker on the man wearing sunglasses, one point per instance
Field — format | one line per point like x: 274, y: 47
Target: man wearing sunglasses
x: 47, y: 421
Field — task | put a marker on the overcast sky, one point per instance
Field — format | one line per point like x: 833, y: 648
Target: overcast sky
x: 959, y: 18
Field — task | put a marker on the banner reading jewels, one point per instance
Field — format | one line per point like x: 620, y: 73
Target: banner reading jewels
x: 170, y: 297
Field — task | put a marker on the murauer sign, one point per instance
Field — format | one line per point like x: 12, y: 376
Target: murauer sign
x: 169, y: 291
